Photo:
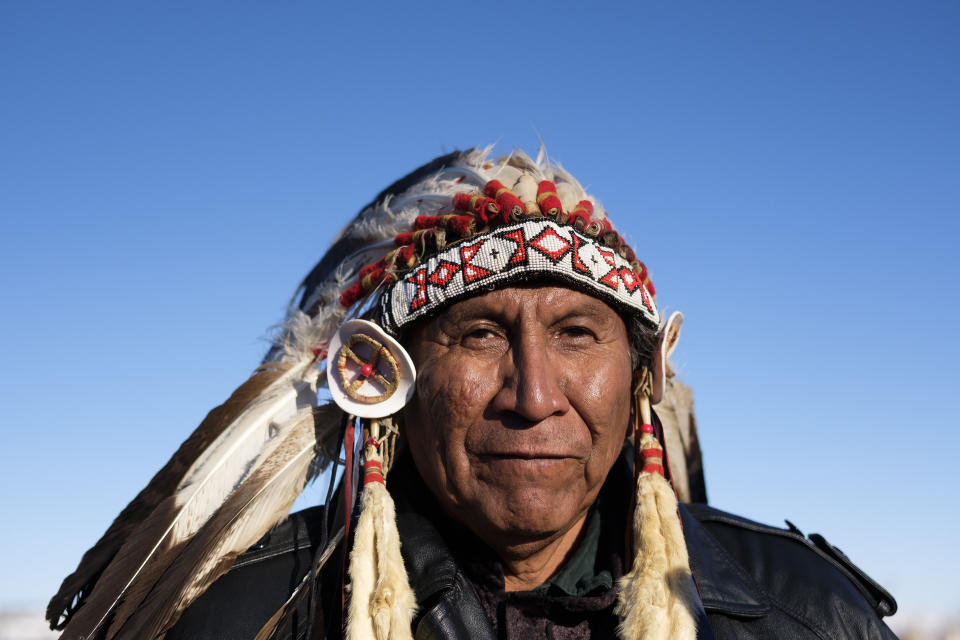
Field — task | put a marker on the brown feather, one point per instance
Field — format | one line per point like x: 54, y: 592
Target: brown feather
x: 325, y: 421
x: 327, y: 417
x: 258, y: 504
x: 76, y: 588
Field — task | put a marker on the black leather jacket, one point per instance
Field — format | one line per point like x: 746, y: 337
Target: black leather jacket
x: 755, y: 581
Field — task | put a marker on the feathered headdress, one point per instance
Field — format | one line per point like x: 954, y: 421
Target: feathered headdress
x: 456, y: 227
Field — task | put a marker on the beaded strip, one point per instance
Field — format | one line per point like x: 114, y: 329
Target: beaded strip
x: 512, y: 253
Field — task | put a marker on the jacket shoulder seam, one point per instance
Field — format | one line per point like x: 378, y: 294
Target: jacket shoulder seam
x: 711, y: 514
x: 705, y: 513
x: 779, y: 604
x: 262, y: 555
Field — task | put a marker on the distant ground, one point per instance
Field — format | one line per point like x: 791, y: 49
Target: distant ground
x: 30, y: 625
x: 929, y: 629
x: 24, y: 625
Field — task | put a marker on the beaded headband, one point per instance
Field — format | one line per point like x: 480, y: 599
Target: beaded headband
x: 532, y: 250
x: 496, y: 236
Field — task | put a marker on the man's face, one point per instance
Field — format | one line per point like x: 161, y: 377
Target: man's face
x: 521, y: 408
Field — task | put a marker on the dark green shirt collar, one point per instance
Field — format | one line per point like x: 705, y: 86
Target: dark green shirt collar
x: 581, y: 576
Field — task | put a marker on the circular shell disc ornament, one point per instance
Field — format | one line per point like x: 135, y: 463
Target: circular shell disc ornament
x: 369, y: 373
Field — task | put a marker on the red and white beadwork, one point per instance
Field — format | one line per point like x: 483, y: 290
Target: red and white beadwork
x: 514, y: 253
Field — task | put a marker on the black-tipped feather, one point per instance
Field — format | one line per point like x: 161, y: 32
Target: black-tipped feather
x: 258, y: 504
x: 77, y: 587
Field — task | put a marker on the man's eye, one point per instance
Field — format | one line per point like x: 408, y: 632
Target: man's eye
x: 577, y: 332
x: 480, y: 333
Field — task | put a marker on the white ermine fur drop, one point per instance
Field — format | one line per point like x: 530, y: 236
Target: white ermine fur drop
x: 657, y: 598
x: 382, y: 603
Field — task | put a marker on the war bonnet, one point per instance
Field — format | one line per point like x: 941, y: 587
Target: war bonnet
x: 457, y: 227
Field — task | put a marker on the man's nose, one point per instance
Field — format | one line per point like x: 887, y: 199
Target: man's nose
x: 532, y: 386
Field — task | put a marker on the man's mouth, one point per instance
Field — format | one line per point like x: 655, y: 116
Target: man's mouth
x: 524, y: 455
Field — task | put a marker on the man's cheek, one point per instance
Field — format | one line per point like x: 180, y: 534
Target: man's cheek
x: 458, y: 396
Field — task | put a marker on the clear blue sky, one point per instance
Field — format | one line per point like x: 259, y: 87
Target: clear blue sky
x: 789, y: 171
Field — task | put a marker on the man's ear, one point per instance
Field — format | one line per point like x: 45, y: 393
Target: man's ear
x: 669, y: 336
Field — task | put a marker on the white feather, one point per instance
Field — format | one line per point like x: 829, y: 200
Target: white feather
x: 568, y: 196
x: 218, y: 470
x: 526, y: 189
x: 505, y: 174
x: 260, y: 502
x: 227, y: 462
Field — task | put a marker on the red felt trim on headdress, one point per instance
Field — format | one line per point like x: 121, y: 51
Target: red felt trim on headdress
x: 427, y: 222
x: 482, y: 207
x: 547, y: 199
x: 406, y: 256
x: 351, y: 294
x: 583, y: 212
x: 460, y: 225
x: 509, y: 203
x: 404, y: 238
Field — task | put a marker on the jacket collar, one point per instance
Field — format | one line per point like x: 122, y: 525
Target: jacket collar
x: 725, y: 587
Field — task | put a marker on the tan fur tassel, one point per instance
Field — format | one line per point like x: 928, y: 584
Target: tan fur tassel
x: 657, y: 598
x: 382, y: 603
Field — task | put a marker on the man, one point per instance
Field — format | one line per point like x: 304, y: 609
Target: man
x: 492, y: 349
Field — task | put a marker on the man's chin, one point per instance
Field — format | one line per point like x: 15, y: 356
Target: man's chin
x: 526, y: 515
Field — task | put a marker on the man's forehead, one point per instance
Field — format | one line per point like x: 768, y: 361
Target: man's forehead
x: 547, y: 301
